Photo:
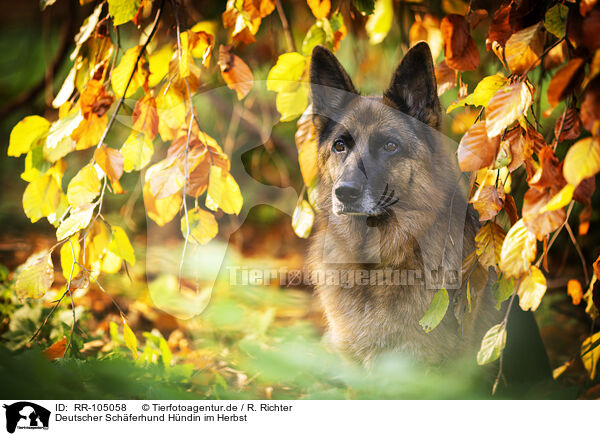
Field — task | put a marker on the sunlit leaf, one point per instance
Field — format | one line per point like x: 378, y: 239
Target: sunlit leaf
x: 59, y: 142
x: 167, y: 178
x: 203, y: 226
x: 89, y: 132
x: 560, y: 200
x: 56, y: 350
x: 524, y: 48
x: 476, y: 150
x: 303, y: 219
x: 121, y: 246
x: 532, y: 289
x: 158, y: 64
x: 518, y: 250
x: 111, y: 162
x: 161, y: 211
x: 69, y: 254
x: 380, y: 22
x: 540, y: 222
x: 145, y: 116
x: 590, y: 356
x: 492, y: 344
x: 123, y: 11
x: 582, y: 160
x: 223, y: 192
x: 488, y: 243
x: 137, y: 152
x: 506, y: 106
x: 306, y: 143
x: 483, y: 92
x: 122, y: 72
x: 436, y: 311
x: 235, y: 72
x: 130, y: 339
x: 78, y: 219
x: 36, y: 277
x: 25, y: 133
x: 287, y: 72
x: 460, y: 48
x: 427, y: 29
x: 292, y: 104
x: 575, y: 291
x: 319, y: 8
x: 41, y: 197
x: 446, y: 79
x: 565, y: 81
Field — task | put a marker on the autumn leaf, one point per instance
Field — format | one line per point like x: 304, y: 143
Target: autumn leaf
x: 436, y: 311
x: 25, y: 134
x: 130, y: 339
x: 145, y: 116
x: 84, y: 187
x: 506, y: 106
x: 565, y: 81
x: 488, y: 244
x: 524, y: 48
x: 590, y: 108
x: 59, y: 142
x: 492, y: 344
x: 89, y: 132
x: 538, y: 220
x: 380, y: 21
x: 166, y: 178
x: 110, y: 161
x: 123, y: 11
x: 554, y: 20
x: 122, y: 72
x: 582, y: 160
x: 488, y: 200
x: 203, y: 226
x: 56, y: 350
x: 36, y: 277
x: 590, y: 356
x: 574, y: 291
x: 483, y: 93
x: 445, y: 77
x: 158, y: 64
x: 303, y: 219
x: 427, y: 28
x: 223, y: 192
x: 568, y: 126
x: 306, y: 142
x: 137, y: 152
x: 78, y: 219
x: 460, y: 48
x: 161, y: 211
x: 531, y: 289
x: 41, y: 197
x: 319, y: 8
x: 500, y: 28
x: 69, y: 254
x: 121, y: 246
x: 476, y: 150
x: 518, y: 250
x: 235, y: 72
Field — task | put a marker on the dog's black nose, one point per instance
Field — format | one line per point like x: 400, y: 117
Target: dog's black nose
x: 348, y: 191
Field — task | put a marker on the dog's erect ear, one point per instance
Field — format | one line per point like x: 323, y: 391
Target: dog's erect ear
x: 413, y: 88
x: 330, y: 85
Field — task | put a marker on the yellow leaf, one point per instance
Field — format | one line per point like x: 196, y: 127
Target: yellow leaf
x: 84, y: 187
x: 110, y: 161
x: 560, y: 200
x: 287, y: 72
x: 67, y: 254
x: 380, y: 22
x: 506, y: 106
x: 25, y: 133
x: 59, y: 142
x: 170, y: 107
x: 121, y: 246
x: 130, y: 339
x: 319, y: 8
x: 186, y: 58
x: 532, y: 289
x: 524, y: 48
x: 123, y: 11
x: 158, y: 64
x: 483, y: 92
x: 122, y: 72
x: 306, y: 142
x: 582, y: 160
x: 77, y: 220
x: 488, y: 243
x: 203, y: 226
x: 137, y: 152
x: 41, y: 197
x: 89, y: 132
x: 518, y: 250
x: 145, y: 116
x: 223, y: 192
x: 36, y: 277
x: 590, y: 356
x: 292, y: 104
x: 303, y: 219
x: 163, y: 210
x: 492, y: 344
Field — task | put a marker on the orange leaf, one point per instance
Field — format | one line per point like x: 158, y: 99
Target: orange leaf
x: 550, y: 172
x: 524, y: 48
x: 520, y: 148
x: 56, y: 350
x: 574, y: 291
x: 461, y: 51
x: 111, y: 162
x: 506, y: 106
x: 488, y: 201
x: 319, y: 8
x: 476, y: 150
x: 500, y: 28
x: 543, y: 223
x: 89, y: 131
x: 94, y: 99
x: 445, y: 77
x: 590, y: 108
x: 235, y: 72
x: 565, y: 81
x: 145, y: 116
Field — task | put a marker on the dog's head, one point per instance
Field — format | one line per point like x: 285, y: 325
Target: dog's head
x: 377, y: 155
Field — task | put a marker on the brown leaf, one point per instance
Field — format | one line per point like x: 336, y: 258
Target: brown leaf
x: 590, y: 108
x: 235, y: 72
x: 488, y: 201
x: 476, y: 16
x: 571, y: 127
x: 535, y: 139
x: 565, y: 81
x: 145, y: 116
x: 511, y: 209
x: 198, y: 179
x: 460, y: 48
x: 550, y: 173
x: 111, y: 162
x: 585, y: 190
x: 476, y: 150
x: 524, y: 48
x: 56, y: 350
x: 520, y: 148
x: 445, y: 77
x: 500, y: 28
x: 506, y: 106
x: 556, y: 56
x: 543, y: 223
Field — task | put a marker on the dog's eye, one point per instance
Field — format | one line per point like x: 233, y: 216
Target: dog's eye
x: 339, y: 146
x: 390, y: 146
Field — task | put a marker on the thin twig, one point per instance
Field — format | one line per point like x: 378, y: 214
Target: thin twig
x: 581, y: 257
x: 534, y: 64
x: 286, y: 26
x: 504, y: 323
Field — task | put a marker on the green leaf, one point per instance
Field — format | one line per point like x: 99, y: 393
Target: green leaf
x: 554, y: 20
x: 123, y: 11
x: 25, y: 133
x: 316, y: 35
x: 502, y: 290
x: 292, y: 104
x: 77, y: 220
x: 303, y: 219
x: 436, y: 311
x: 492, y: 344
x: 482, y: 94
x: 130, y: 339
x: 121, y: 246
x: 36, y: 277
x: 365, y: 7
x: 379, y: 24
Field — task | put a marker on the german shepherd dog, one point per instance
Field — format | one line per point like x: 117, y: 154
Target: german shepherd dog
x: 389, y: 199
